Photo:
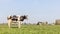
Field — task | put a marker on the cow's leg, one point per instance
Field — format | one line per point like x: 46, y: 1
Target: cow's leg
x: 9, y: 22
x: 19, y: 24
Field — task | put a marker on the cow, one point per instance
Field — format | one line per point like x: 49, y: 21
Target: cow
x: 17, y: 19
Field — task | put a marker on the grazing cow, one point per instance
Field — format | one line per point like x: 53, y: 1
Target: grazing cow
x: 39, y: 23
x: 57, y: 22
x: 15, y: 19
x: 42, y: 23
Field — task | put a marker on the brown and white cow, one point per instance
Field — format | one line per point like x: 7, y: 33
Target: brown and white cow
x: 17, y: 19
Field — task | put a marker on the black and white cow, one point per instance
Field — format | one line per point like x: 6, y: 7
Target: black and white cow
x: 17, y: 19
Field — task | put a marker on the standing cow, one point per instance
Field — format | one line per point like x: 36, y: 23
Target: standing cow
x: 17, y: 19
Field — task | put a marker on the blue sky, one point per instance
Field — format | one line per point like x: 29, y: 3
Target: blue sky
x: 37, y: 10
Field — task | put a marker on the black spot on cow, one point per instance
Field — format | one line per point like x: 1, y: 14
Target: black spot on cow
x: 14, y: 18
x: 23, y: 17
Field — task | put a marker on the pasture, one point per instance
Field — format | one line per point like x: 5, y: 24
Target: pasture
x: 31, y: 29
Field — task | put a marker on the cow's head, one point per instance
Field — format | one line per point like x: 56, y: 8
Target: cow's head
x: 9, y: 17
x: 14, y: 17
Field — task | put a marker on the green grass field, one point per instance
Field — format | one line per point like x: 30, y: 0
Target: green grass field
x: 31, y: 29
